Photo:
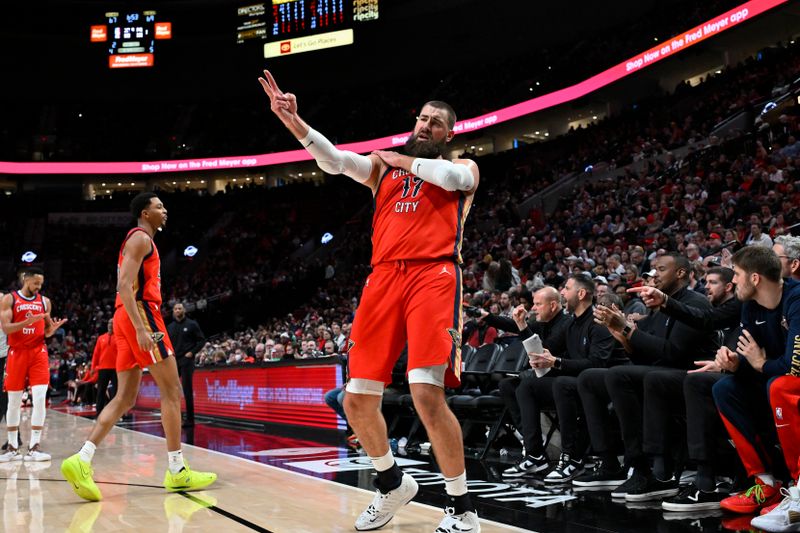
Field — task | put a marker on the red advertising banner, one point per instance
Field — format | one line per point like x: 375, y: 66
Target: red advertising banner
x: 130, y: 60
x: 163, y: 30
x: 277, y: 394
x: 99, y: 34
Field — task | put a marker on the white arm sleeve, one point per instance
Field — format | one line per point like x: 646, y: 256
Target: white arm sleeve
x: 449, y: 176
x: 334, y: 161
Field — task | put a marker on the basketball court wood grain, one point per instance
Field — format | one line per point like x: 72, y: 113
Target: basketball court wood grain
x: 129, y: 468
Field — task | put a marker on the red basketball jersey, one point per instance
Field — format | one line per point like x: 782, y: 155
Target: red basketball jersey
x: 147, y: 285
x: 416, y: 220
x: 22, y: 307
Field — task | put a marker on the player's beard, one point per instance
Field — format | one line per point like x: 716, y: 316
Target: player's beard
x: 425, y: 149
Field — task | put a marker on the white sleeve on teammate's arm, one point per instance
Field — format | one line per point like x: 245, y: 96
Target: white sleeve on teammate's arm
x: 334, y: 161
x: 445, y: 174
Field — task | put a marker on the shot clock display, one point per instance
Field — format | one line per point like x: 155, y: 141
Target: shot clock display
x: 131, y: 37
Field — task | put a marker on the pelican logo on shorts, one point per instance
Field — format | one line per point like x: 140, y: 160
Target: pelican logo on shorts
x: 779, y: 413
x: 455, y: 335
x: 286, y: 47
x: 785, y: 323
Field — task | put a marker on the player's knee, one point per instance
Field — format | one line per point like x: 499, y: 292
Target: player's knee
x: 429, y: 400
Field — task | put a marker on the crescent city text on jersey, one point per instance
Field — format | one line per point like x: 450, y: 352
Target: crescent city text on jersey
x: 403, y: 207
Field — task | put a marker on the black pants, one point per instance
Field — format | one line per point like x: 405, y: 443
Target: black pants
x: 185, y: 370
x: 533, y: 395
x: 104, y: 377
x: 595, y: 399
x: 508, y: 391
x: 704, y: 428
x: 3, y: 394
x: 571, y: 419
x: 663, y: 407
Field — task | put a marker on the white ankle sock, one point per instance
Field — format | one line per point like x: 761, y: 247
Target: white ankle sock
x: 456, y: 486
x: 87, y: 451
x: 13, y: 438
x: 767, y: 479
x: 175, y: 461
x: 36, y: 437
x: 384, y: 462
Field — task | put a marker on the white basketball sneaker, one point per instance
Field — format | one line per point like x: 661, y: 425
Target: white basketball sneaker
x: 384, y: 506
x: 459, y: 523
x: 12, y: 454
x: 785, y: 517
x: 35, y: 454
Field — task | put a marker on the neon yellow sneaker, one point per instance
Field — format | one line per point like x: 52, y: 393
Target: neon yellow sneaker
x: 187, y: 480
x: 79, y: 474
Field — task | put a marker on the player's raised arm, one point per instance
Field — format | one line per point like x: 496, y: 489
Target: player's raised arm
x: 363, y: 169
x: 457, y: 175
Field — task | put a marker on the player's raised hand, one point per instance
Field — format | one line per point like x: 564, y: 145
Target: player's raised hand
x: 284, y: 105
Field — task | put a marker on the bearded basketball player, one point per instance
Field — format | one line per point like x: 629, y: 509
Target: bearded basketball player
x: 413, y: 295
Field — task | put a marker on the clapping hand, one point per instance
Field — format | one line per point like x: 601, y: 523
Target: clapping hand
x: 726, y: 359
x: 755, y: 354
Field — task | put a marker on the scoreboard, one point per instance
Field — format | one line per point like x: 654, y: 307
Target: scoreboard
x: 131, y: 37
x: 292, y: 26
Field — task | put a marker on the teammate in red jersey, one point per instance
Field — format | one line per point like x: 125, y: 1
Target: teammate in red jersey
x: 104, y: 361
x: 25, y: 318
x: 412, y: 295
x: 142, y: 342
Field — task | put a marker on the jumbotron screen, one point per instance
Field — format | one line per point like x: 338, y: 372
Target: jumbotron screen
x: 131, y: 37
x: 294, y: 26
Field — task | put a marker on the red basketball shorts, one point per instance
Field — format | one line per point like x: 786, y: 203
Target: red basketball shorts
x: 129, y: 355
x: 29, y: 364
x: 784, y: 397
x: 414, y: 302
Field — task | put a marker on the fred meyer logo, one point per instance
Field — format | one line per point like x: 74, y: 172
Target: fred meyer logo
x: 308, y: 44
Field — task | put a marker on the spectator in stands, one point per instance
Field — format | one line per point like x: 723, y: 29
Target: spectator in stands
x: 601, y: 286
x: 330, y: 348
x: 339, y: 338
x: 653, y: 343
x: 669, y: 393
x: 219, y: 358
x: 631, y: 303
x: 770, y: 328
x: 278, y: 352
x: 787, y: 248
x: 696, y: 275
x: 584, y: 344
x: 259, y: 352
x: 758, y: 237
x: 549, y: 322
